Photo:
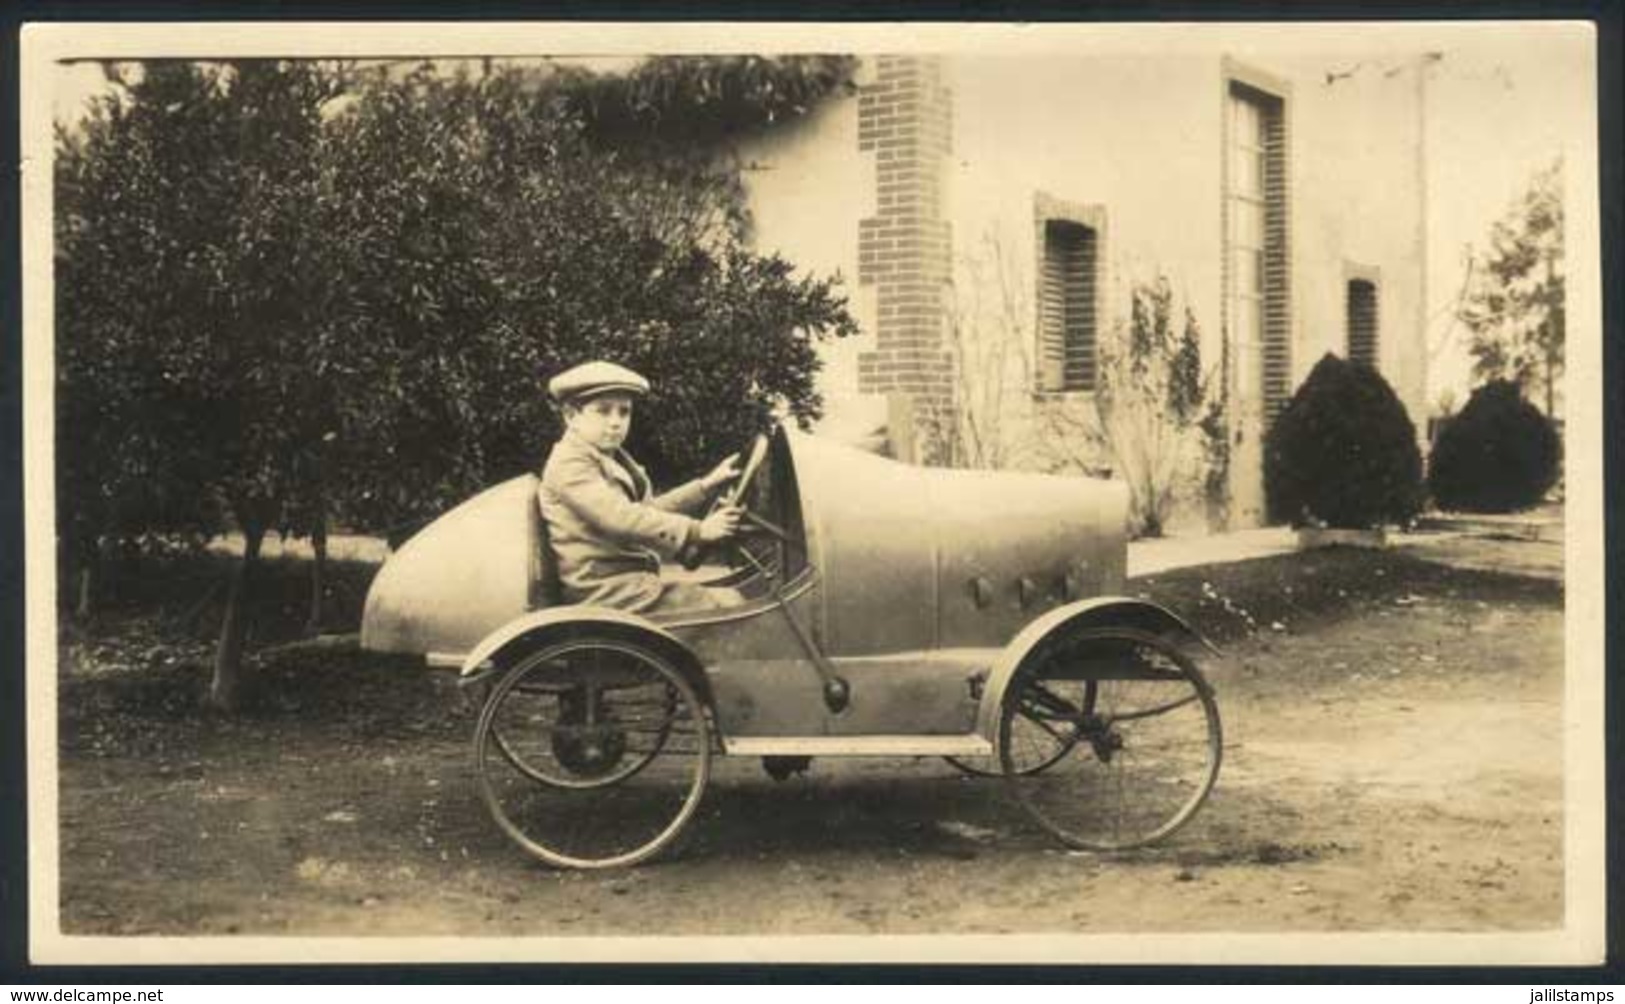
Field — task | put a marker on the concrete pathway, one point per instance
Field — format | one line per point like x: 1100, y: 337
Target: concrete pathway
x: 1542, y: 523
x: 1540, y: 557
x: 1160, y: 554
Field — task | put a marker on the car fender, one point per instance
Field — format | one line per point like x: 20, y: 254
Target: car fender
x: 539, y: 627
x: 1100, y: 611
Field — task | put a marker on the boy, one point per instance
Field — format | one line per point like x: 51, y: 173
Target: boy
x: 608, y: 533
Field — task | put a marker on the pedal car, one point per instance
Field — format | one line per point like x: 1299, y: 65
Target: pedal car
x: 887, y: 610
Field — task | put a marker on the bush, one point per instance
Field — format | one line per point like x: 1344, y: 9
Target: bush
x: 1343, y: 452
x: 1500, y: 454
x: 295, y: 293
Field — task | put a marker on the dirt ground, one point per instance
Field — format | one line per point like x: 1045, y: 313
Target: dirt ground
x: 1392, y: 762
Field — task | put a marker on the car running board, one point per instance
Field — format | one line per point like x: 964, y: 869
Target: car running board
x: 905, y: 745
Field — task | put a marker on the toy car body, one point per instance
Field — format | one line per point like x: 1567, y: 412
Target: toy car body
x: 886, y: 610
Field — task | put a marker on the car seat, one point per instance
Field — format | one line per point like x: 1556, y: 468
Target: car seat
x: 545, y: 588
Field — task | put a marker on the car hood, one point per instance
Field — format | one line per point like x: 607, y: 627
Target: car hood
x: 924, y: 558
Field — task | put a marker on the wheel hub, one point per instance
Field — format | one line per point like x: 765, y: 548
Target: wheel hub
x: 587, y: 749
x: 1103, y: 739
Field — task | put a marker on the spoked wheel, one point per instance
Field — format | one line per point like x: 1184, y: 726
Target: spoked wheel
x: 1037, y: 743
x: 593, y: 753
x: 588, y: 746
x: 1141, y: 734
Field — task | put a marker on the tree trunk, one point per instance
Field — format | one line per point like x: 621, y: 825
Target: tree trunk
x: 1550, y: 403
x: 229, y: 683
x: 81, y: 607
x: 93, y: 565
x: 318, y: 543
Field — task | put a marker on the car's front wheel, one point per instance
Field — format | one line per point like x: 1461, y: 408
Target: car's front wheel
x: 1141, y: 736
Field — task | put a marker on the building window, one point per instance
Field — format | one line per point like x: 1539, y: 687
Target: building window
x: 1362, y: 322
x: 1068, y: 300
x: 1257, y: 256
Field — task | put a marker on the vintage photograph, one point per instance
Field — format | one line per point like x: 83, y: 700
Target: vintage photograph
x: 818, y: 491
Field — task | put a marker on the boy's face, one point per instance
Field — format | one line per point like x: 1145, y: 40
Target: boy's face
x: 602, y: 421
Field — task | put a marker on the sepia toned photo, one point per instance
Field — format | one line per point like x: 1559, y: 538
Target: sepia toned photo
x: 561, y: 492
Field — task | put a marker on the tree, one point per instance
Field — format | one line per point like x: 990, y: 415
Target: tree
x: 517, y: 245
x: 1514, y: 303
x: 189, y: 269
x: 128, y: 458
x: 1343, y: 452
x: 279, y: 308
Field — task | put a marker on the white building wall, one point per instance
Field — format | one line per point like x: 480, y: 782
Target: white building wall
x: 1129, y: 133
x: 1358, y: 188
x: 1142, y: 138
x: 1137, y: 136
x: 807, y: 188
x: 1135, y: 139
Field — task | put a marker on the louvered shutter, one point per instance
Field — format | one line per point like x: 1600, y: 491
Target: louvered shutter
x: 1067, y: 321
x: 1277, y: 260
x: 1080, y: 311
x: 1362, y: 322
x: 1052, y: 314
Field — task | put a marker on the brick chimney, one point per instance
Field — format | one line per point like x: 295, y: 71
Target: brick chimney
x: 904, y: 251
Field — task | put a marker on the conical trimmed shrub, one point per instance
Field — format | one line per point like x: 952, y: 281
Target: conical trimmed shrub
x: 1499, y: 454
x: 1343, y: 452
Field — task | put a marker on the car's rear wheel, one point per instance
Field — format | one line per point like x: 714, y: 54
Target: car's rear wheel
x: 579, y: 753
x: 1141, y: 734
x: 592, y: 753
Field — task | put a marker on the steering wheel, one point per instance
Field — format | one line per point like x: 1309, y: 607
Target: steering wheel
x: 694, y: 556
x: 747, y: 474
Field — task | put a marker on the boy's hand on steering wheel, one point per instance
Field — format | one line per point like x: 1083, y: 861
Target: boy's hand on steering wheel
x: 720, y: 524
x: 722, y: 473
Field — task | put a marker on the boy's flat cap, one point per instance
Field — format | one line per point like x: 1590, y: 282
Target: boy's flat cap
x: 594, y: 378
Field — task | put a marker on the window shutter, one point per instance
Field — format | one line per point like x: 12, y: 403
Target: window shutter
x: 1067, y: 321
x: 1277, y: 262
x: 1362, y: 322
x: 1080, y: 311
x: 1052, y: 315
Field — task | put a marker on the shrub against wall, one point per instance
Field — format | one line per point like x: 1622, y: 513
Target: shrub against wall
x: 1343, y: 452
x: 1149, y: 401
x: 1499, y: 454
